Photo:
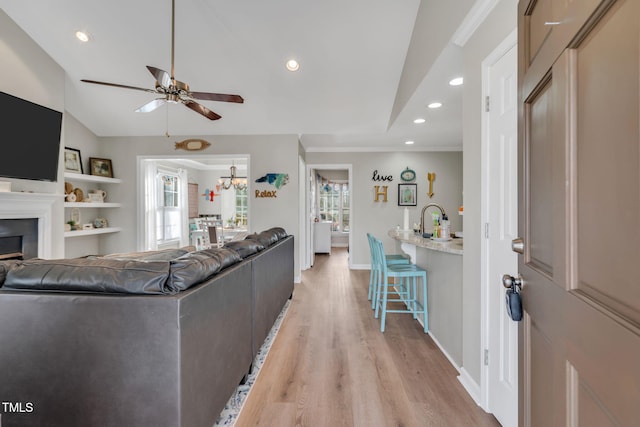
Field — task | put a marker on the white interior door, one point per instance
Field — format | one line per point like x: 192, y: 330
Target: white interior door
x: 502, y: 227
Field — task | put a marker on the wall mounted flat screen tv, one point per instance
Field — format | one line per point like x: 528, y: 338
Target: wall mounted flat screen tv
x: 30, y: 139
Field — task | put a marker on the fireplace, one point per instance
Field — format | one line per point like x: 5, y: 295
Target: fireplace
x: 18, y: 238
x: 36, y: 238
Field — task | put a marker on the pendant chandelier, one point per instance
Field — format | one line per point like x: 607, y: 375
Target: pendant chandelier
x: 234, y: 181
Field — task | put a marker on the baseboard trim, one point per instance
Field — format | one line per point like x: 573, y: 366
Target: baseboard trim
x: 297, y: 279
x: 361, y: 267
x: 449, y: 358
x: 472, y: 387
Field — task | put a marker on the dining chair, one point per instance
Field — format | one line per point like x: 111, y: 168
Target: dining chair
x: 407, y: 291
x: 208, y: 235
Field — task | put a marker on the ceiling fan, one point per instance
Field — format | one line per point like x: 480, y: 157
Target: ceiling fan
x: 175, y: 91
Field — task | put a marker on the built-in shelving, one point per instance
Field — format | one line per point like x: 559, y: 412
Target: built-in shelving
x: 96, y: 205
x: 79, y: 177
x: 91, y: 178
x: 80, y: 233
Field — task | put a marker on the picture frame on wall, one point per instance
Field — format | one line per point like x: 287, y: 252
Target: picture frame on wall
x: 72, y: 160
x: 100, y: 167
x: 407, y: 194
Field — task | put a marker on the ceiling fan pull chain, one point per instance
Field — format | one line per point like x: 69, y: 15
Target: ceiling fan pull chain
x: 167, y: 129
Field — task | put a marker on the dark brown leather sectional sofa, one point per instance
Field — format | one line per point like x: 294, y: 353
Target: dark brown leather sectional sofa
x: 138, y: 340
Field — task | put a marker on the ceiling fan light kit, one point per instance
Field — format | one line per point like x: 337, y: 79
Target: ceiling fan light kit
x: 174, y: 91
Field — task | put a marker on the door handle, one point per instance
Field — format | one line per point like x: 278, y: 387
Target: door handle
x: 517, y: 245
x: 510, y: 282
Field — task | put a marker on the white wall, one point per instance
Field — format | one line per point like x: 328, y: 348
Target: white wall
x: 377, y: 218
x: 494, y: 29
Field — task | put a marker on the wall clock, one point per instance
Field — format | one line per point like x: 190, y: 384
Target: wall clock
x: 408, y: 175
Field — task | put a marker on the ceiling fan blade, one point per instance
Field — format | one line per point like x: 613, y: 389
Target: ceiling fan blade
x: 151, y: 105
x: 201, y: 109
x: 161, y: 76
x: 118, y: 85
x: 216, y: 97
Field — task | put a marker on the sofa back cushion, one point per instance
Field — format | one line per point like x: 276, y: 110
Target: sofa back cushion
x: 266, y: 238
x: 245, y: 248
x: 90, y: 275
x: 5, y: 266
x: 196, y: 267
x: 279, y: 232
x: 159, y: 255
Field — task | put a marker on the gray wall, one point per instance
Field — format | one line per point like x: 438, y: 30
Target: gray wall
x: 29, y: 73
x: 494, y: 30
x: 79, y: 137
x: 267, y: 154
x: 377, y: 218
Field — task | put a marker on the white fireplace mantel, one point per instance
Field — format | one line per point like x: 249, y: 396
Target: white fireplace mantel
x: 18, y: 205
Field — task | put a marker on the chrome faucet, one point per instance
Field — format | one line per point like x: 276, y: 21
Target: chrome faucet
x: 428, y: 205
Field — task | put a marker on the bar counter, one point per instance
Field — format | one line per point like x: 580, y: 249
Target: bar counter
x: 443, y: 262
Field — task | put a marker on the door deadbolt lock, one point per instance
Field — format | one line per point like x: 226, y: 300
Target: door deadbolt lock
x: 517, y: 245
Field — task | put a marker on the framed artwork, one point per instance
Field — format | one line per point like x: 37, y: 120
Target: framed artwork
x: 72, y: 160
x: 100, y: 167
x: 407, y: 194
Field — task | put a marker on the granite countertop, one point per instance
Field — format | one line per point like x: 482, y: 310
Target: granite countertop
x: 453, y: 246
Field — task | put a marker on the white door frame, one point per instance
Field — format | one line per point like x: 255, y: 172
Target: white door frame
x: 310, y: 167
x: 509, y: 42
x: 302, y: 216
x: 140, y: 161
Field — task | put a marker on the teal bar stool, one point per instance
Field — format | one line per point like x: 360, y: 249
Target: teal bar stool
x: 376, y: 271
x: 407, y: 293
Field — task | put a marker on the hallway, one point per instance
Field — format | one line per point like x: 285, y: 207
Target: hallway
x: 331, y: 366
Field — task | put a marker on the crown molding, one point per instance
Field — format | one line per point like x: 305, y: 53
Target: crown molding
x: 320, y: 149
x: 476, y: 16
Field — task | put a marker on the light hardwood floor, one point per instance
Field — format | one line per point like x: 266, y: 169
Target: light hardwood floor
x: 331, y: 366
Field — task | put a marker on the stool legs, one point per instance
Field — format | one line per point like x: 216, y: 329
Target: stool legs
x: 425, y: 300
x: 407, y: 292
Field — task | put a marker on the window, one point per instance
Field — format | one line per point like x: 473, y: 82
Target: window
x: 241, y: 207
x: 168, y: 213
x: 334, y: 206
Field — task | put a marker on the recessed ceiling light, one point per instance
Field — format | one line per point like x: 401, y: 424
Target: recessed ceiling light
x: 82, y: 36
x: 457, y: 81
x: 408, y: 142
x: 419, y: 121
x: 292, y: 65
x: 435, y: 105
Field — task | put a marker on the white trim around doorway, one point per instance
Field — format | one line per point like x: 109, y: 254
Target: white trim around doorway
x: 482, y: 397
x: 352, y: 226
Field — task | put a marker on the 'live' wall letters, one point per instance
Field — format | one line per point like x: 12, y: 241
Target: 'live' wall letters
x: 377, y: 177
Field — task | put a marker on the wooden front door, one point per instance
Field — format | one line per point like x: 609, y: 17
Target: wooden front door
x: 579, y: 212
